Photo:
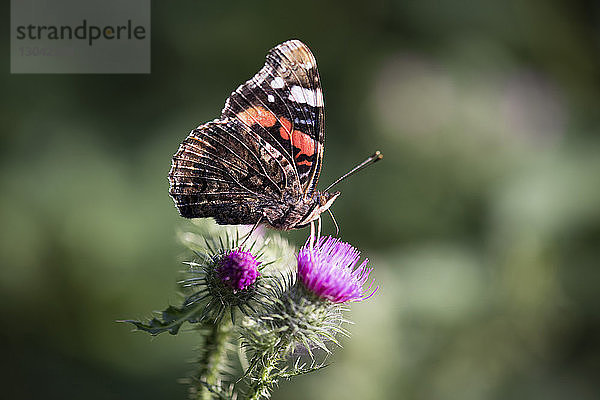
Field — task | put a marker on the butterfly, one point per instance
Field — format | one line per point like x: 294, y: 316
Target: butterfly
x: 260, y: 161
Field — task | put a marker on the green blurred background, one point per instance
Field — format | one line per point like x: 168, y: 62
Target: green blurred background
x: 482, y: 222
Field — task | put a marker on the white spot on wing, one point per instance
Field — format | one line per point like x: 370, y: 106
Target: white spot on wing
x: 313, y: 98
x: 271, y: 98
x: 319, y: 98
x: 297, y: 94
x: 277, y: 83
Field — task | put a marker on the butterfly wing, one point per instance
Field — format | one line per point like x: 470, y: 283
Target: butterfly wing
x: 283, y: 103
x: 225, y: 171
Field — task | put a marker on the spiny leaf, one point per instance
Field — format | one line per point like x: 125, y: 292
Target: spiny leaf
x: 171, y: 319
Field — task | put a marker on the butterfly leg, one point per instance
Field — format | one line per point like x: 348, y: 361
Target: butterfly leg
x: 337, y: 228
x: 251, y: 231
x: 319, y: 228
x: 312, y: 234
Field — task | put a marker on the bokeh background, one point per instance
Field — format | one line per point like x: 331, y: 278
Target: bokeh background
x: 482, y: 222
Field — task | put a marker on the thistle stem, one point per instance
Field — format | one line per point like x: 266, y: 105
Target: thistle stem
x: 213, y: 359
x: 266, y: 375
x: 261, y: 388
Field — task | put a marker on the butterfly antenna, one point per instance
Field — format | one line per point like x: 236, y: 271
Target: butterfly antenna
x: 337, y: 228
x: 370, y: 160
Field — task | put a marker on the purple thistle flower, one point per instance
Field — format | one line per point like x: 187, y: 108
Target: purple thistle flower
x: 327, y: 268
x: 238, y: 269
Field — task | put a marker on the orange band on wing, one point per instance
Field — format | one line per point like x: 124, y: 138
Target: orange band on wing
x: 257, y: 115
x: 299, y: 140
x: 286, y: 127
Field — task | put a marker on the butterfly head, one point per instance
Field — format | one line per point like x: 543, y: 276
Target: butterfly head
x: 320, y: 202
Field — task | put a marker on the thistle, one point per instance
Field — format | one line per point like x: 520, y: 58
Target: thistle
x: 328, y: 269
x: 228, y: 278
x: 306, y: 316
x: 281, y: 311
x: 238, y: 269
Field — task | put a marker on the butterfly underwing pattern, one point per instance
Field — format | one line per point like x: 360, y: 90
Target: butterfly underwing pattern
x: 260, y: 161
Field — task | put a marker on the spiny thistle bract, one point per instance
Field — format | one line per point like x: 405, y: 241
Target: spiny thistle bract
x: 255, y: 295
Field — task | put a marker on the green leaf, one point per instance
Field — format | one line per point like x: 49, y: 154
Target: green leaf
x: 171, y: 319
